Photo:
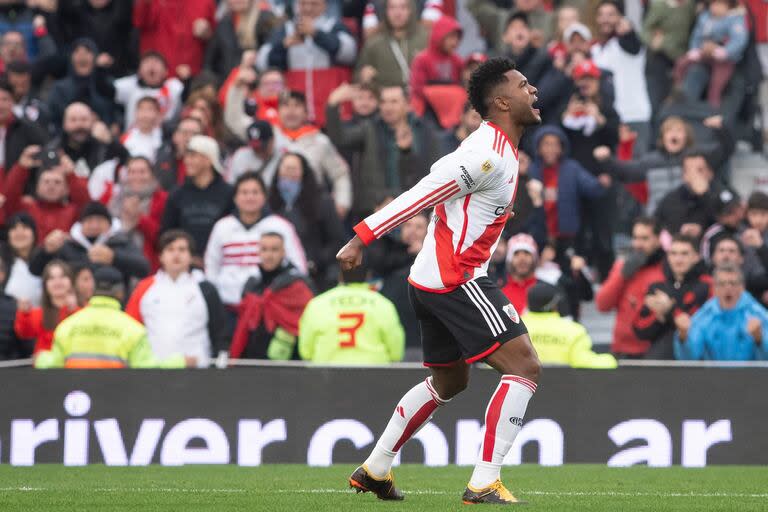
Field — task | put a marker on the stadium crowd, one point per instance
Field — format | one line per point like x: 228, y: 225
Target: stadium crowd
x: 201, y: 163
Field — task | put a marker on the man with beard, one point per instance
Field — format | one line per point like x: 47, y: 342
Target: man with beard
x: 684, y: 289
x: 93, y: 157
x: 626, y: 284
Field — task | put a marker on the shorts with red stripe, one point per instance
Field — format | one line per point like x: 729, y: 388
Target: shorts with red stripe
x: 468, y: 323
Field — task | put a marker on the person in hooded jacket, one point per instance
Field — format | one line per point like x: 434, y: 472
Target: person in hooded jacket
x: 438, y: 63
x: 685, y: 288
x: 97, y: 240
x: 296, y: 196
x: 567, y: 185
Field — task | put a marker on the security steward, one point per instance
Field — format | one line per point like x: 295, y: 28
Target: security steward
x: 101, y: 336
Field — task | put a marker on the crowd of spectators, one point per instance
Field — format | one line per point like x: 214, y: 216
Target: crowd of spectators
x: 206, y: 159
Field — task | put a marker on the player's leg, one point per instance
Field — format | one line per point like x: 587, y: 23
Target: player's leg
x: 491, y: 331
x: 416, y: 408
x: 519, y: 366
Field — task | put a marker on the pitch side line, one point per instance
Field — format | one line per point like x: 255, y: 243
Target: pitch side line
x: 417, y: 492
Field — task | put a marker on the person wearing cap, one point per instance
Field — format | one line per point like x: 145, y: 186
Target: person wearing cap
x: 151, y: 79
x: 666, y: 29
x: 87, y: 82
x: 95, y: 240
x: 693, y: 206
x: 522, y: 256
x: 590, y: 121
x: 59, y: 193
x: 259, y: 155
x: 532, y: 61
x: 204, y: 198
x: 386, y: 56
x: 26, y: 104
x: 618, y: 49
x: 16, y: 253
x: 729, y: 216
x: 101, y: 336
x: 558, y: 340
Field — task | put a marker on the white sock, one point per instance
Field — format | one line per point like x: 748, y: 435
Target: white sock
x: 413, y: 411
x: 503, y: 421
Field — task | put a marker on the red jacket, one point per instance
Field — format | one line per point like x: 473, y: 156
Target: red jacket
x: 29, y: 325
x: 517, y: 292
x: 431, y: 65
x: 165, y: 26
x: 48, y: 216
x: 149, y: 226
x: 626, y: 297
x: 273, y: 308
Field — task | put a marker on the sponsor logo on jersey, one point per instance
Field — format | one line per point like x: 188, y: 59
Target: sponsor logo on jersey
x: 466, y: 177
x: 487, y: 166
x: 516, y: 421
x: 509, y: 309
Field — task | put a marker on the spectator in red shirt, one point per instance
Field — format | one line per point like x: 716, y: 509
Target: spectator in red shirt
x: 439, y: 63
x: 625, y: 286
x: 59, y: 194
x: 178, y: 29
x: 59, y: 301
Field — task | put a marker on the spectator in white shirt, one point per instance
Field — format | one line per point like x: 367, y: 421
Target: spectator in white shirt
x: 145, y: 137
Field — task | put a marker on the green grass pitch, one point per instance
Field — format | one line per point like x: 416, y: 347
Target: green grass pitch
x: 299, y: 488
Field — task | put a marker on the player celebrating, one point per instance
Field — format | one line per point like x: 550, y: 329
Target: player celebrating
x: 463, y: 316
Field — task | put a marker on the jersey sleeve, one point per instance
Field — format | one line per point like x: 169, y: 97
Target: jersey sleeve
x: 453, y: 176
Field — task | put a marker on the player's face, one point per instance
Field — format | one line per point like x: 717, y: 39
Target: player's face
x: 520, y: 96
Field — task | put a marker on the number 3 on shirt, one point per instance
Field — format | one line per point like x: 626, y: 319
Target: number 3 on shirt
x: 349, y: 324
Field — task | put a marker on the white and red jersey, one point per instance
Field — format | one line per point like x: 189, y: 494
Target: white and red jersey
x: 472, y: 190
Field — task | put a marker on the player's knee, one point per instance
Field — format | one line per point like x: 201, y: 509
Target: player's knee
x: 450, y: 384
x: 533, y: 368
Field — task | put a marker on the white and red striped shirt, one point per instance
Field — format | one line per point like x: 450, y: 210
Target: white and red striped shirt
x: 472, y: 190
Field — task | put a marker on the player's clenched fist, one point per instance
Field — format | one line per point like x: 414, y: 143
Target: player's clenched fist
x: 351, y: 255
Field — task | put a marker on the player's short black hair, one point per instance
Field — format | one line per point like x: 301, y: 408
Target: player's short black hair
x: 488, y: 75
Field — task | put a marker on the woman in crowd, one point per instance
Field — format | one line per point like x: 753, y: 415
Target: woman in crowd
x: 232, y: 254
x: 22, y: 237
x: 59, y: 301
x: 296, y: 196
x: 85, y: 284
x: 138, y: 201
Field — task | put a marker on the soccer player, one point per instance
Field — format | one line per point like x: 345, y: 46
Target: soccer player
x: 463, y: 316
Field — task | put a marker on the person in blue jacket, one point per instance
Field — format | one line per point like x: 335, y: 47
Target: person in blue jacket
x: 566, y: 185
x: 731, y: 326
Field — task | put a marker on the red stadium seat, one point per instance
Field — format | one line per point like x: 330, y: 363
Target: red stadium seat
x: 447, y: 102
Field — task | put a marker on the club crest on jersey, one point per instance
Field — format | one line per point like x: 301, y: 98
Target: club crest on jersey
x: 487, y: 166
x: 511, y: 312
